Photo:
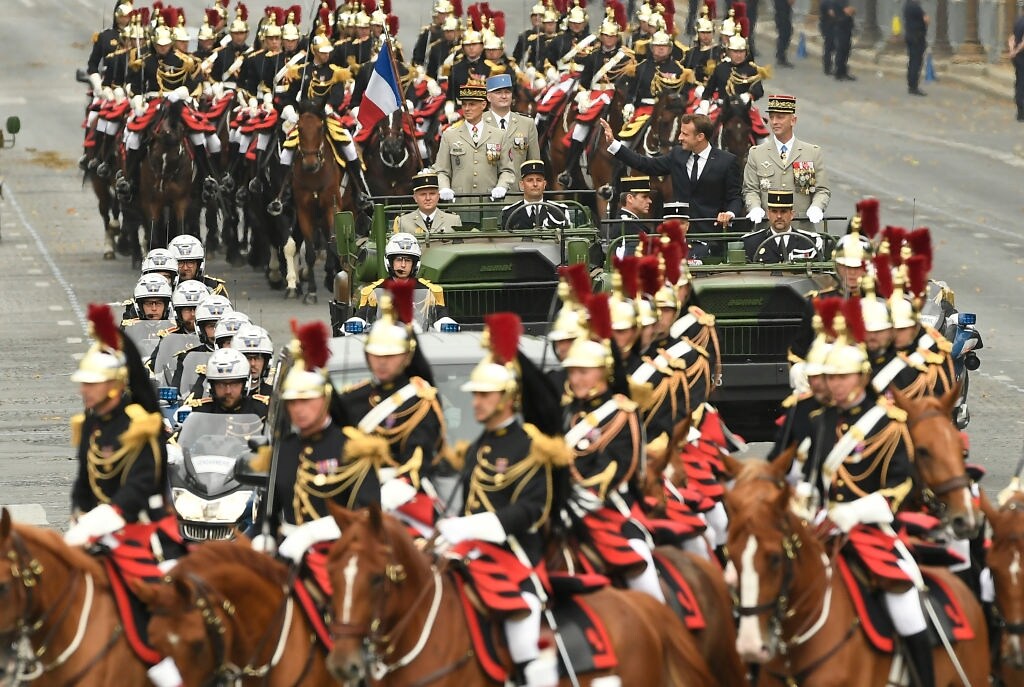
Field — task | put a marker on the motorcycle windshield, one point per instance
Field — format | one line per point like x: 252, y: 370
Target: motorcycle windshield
x: 210, y: 445
x: 145, y: 334
x: 172, y: 345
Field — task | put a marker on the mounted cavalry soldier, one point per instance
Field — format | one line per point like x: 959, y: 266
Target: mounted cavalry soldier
x: 524, y: 52
x: 401, y: 407
x: 433, y: 32
x: 471, y: 68
x: 705, y: 55
x: 737, y: 77
x: 508, y: 475
x: 659, y: 71
x: 860, y: 468
x: 601, y: 68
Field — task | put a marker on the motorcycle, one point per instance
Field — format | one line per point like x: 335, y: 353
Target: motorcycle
x: 960, y: 329
x: 210, y: 503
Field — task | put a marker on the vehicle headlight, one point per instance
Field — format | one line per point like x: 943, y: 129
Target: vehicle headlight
x: 188, y: 505
x: 227, y: 509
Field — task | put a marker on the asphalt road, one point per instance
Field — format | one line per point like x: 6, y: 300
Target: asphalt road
x: 952, y: 161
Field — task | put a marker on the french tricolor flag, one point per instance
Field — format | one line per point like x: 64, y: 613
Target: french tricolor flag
x: 381, y: 97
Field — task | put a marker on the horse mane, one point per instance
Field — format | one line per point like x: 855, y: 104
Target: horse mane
x: 209, y: 555
x: 750, y: 508
x: 75, y: 557
x: 311, y: 107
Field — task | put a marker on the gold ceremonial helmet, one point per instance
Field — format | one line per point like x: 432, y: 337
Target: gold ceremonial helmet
x: 378, y: 18
x: 471, y: 36
x: 900, y: 307
x: 305, y: 379
x: 271, y: 29
x: 729, y: 25
x: 180, y: 33
x: 238, y: 24
x: 493, y: 42
x: 704, y: 25
x: 874, y: 309
x: 846, y: 356
x: 646, y: 315
x: 736, y: 42
x: 538, y: 8
x: 388, y: 336
x: 550, y: 16
x: 443, y: 7
x: 205, y: 31
x: 644, y: 13
x: 123, y: 10
x: 586, y: 352
x: 322, y: 44
x: 101, y: 364
x: 818, y: 351
x: 577, y: 15
x: 661, y: 38
x: 492, y: 374
x: 450, y: 24
x: 852, y: 250
x: 361, y: 20
x: 290, y: 31
x: 162, y: 36
x: 623, y: 309
x: 566, y: 325
x: 609, y: 27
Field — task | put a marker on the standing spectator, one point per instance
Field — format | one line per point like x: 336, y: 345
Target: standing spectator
x: 842, y: 31
x: 915, y: 26
x: 784, y: 29
x: 827, y: 26
x: 1017, y: 57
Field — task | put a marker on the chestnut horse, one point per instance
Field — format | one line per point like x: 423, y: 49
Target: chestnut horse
x: 58, y: 598
x: 1005, y: 560
x: 396, y: 608
x: 227, y: 612
x: 796, y: 617
x: 110, y: 211
x: 391, y: 157
x: 316, y: 180
x: 944, y: 487
x: 165, y: 178
x: 733, y: 128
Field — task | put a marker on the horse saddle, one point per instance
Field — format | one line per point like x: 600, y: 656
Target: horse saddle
x: 313, y: 591
x: 581, y: 630
x: 874, y: 618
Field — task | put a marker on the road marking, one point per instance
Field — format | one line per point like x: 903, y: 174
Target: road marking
x: 1002, y: 379
x: 21, y: 246
x: 65, y: 323
x: 12, y: 100
x: 73, y: 99
x: 69, y: 292
x: 28, y: 514
x: 34, y: 270
x: 56, y: 308
x: 42, y: 284
x: 28, y: 3
x: 73, y: 339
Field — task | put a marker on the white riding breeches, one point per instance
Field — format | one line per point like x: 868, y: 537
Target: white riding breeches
x: 523, y: 635
x: 349, y: 151
x: 718, y: 522
x: 906, y: 612
x: 286, y: 156
x: 647, y: 581
x: 580, y: 132
x: 262, y: 141
x: 198, y: 140
x: 213, y: 143
x: 132, y: 140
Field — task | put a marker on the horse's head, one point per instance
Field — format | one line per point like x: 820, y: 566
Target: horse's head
x: 380, y: 581
x: 939, y: 461
x: 1006, y: 561
x: 524, y: 101
x: 14, y: 585
x: 312, y: 137
x: 190, y: 623
x: 764, y: 539
x: 393, y: 146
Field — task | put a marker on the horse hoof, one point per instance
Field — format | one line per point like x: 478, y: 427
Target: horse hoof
x: 136, y: 262
x: 235, y: 259
x: 275, y: 208
x: 309, y: 299
x: 83, y: 163
x: 291, y: 293
x: 212, y: 245
x: 123, y: 247
x: 103, y: 171
x: 108, y: 255
x: 254, y: 186
x: 227, y: 182
x: 605, y: 191
x: 241, y: 194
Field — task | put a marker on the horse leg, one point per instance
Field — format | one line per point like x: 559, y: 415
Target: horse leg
x: 110, y: 233
x: 310, y: 297
x: 291, y: 272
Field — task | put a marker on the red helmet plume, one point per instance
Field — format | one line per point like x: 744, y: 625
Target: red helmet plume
x: 498, y: 24
x: 456, y: 8
x: 474, y: 16
x: 401, y: 297
x: 895, y: 236
x: 578, y: 278
x: 883, y: 276
x: 296, y: 13
x: 712, y: 8
x: 674, y: 256
x: 618, y: 11
x: 385, y: 6
x: 600, y: 316
x: 325, y: 21
x: 739, y: 10
x: 627, y: 268
x: 212, y: 17
x: 673, y: 229
x: 103, y: 326
x: 331, y: 5
x: 869, y: 220
x: 917, y: 270
x: 827, y: 308
x: 243, y: 11
x: 650, y: 274
x: 854, y: 317
x: 920, y: 241
x: 313, y: 337
x: 504, y: 329
x: 392, y: 21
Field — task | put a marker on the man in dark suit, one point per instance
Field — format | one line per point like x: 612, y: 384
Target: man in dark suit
x: 532, y: 212
x: 789, y: 244
x: 707, y: 178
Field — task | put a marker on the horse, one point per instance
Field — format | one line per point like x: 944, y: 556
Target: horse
x: 945, y: 488
x: 110, y: 211
x: 796, y: 616
x: 165, y: 177
x: 391, y: 156
x: 228, y: 613
x: 396, y: 607
x: 524, y: 99
x: 59, y: 599
x: 733, y: 127
x: 1005, y: 558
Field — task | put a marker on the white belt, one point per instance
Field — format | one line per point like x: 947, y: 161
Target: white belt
x: 373, y: 419
x: 590, y: 422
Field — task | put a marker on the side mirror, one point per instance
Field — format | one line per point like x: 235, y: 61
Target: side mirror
x: 13, y: 125
x: 81, y: 76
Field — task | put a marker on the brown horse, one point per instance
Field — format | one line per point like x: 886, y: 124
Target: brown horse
x: 316, y: 180
x: 59, y: 599
x: 165, y: 178
x: 1006, y: 562
x: 110, y: 211
x: 227, y: 612
x: 796, y: 616
x: 391, y: 157
x: 944, y: 487
x: 733, y: 128
x: 395, y: 607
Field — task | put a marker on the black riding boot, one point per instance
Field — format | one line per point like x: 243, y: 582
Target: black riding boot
x: 919, y: 652
x: 101, y: 155
x: 278, y: 174
x: 128, y: 180
x: 355, y: 170
x: 572, y: 158
x: 207, y: 173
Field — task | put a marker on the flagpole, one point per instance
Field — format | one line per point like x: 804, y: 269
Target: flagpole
x: 401, y: 95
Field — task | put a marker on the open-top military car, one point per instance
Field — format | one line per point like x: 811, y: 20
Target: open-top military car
x: 481, y: 267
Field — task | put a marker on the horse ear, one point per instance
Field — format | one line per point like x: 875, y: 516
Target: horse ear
x: 376, y: 518
x: 783, y: 462
x: 5, y: 524
x: 343, y: 516
x: 733, y: 466
x: 948, y: 399
x: 902, y: 400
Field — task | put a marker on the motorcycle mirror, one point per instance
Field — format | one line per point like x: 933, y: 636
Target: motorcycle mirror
x: 243, y: 474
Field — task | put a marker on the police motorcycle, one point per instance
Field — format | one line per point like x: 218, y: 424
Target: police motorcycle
x: 209, y: 501
x: 145, y: 334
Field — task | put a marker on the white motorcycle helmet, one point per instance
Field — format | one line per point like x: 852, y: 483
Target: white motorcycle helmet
x: 189, y: 294
x: 402, y: 243
x: 152, y: 286
x: 161, y: 261
x: 188, y: 247
x: 211, y: 309
x: 228, y: 326
x: 227, y: 365
x: 251, y: 338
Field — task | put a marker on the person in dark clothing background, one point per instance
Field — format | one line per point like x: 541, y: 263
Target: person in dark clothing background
x: 1016, y: 44
x: 826, y: 25
x: 842, y: 32
x: 784, y: 29
x: 915, y: 27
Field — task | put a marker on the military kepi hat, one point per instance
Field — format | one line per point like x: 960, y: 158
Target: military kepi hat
x: 780, y: 199
x: 786, y: 104
x: 676, y: 209
x: 425, y: 179
x: 472, y: 91
x: 636, y: 184
x: 532, y: 167
x: 499, y: 81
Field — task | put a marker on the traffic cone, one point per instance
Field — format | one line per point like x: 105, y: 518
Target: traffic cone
x: 801, y: 47
x: 929, y: 68
x: 897, y: 27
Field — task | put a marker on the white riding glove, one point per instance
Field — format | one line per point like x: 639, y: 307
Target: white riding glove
x: 583, y: 501
x: 815, y: 214
x: 627, y: 112
x: 296, y: 544
x: 447, y: 195
x: 498, y: 192
x: 396, y: 493
x: 264, y: 544
x: 704, y: 107
x: 101, y: 520
x: 756, y: 215
x: 481, y: 526
x: 745, y: 97
x: 870, y: 509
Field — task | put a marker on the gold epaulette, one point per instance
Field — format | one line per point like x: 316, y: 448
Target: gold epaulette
x: 262, y: 398
x: 703, y: 317
x: 201, y: 369
x: 164, y: 332
x: 352, y: 387
x: 95, y: 36
x: 76, y: 428
x: 143, y: 426
x: 640, y: 394
x: 817, y: 411
x: 360, y: 446
x: 340, y: 74
x: 944, y: 344
x: 129, y: 322
x: 457, y: 124
x: 455, y: 455
x: 898, y: 493
x: 547, y: 450
x: 892, y: 411
x: 261, y: 463
x: 423, y: 388
x: 196, y: 402
x: 625, y: 403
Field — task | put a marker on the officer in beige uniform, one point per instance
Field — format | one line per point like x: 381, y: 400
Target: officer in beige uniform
x: 520, y: 142
x: 471, y: 159
x: 426, y: 217
x: 784, y: 163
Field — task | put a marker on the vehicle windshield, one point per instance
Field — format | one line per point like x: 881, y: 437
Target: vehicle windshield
x: 144, y: 334
x: 457, y: 404
x: 210, y: 436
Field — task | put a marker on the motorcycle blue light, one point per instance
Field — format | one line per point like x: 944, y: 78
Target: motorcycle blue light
x: 967, y: 318
x: 451, y: 327
x: 353, y: 327
x: 168, y: 393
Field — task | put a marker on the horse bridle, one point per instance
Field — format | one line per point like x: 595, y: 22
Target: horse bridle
x: 930, y: 495
x: 388, y: 133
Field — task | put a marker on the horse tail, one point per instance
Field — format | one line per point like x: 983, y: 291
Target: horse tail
x: 682, y: 661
